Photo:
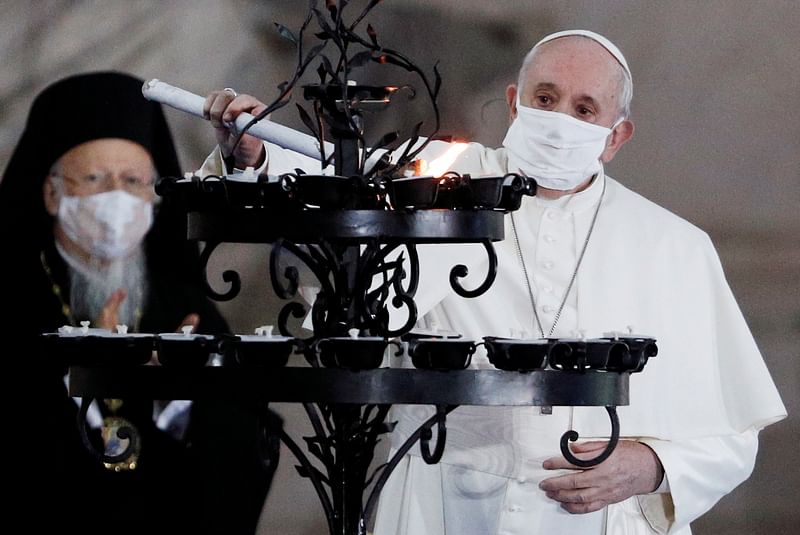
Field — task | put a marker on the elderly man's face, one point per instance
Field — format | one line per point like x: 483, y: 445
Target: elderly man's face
x: 577, y: 77
x: 104, y: 165
x: 93, y: 168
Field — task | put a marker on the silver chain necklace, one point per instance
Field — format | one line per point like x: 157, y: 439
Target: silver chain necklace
x: 574, y: 273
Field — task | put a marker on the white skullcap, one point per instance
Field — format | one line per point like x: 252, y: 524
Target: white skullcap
x: 596, y: 37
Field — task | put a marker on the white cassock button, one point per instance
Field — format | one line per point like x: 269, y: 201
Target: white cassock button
x: 548, y: 265
x: 547, y: 289
x: 548, y: 238
x: 547, y: 309
x: 521, y: 480
x: 551, y: 216
x: 514, y: 508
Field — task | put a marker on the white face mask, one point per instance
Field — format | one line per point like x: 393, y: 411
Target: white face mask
x: 108, y: 225
x: 559, y: 151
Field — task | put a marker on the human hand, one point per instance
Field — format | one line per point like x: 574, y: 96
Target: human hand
x: 109, y: 316
x: 631, y: 469
x: 190, y: 319
x: 222, y: 108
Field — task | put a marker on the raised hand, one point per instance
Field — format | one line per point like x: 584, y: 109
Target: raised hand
x: 222, y: 108
x: 190, y: 319
x: 109, y: 316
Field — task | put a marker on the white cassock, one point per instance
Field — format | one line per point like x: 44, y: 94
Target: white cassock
x: 699, y: 404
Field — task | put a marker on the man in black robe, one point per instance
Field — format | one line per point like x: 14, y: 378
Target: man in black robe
x: 90, y: 152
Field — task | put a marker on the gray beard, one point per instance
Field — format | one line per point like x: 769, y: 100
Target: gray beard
x: 91, y: 286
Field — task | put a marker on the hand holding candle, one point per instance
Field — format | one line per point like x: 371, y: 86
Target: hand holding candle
x: 266, y: 130
x: 283, y: 136
x: 222, y: 108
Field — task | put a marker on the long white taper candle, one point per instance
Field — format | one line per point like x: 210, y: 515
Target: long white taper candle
x: 266, y: 130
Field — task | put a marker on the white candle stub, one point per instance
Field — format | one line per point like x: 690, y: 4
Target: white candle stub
x: 122, y: 329
x: 434, y: 327
x: 264, y: 330
x: 85, y: 326
x: 187, y: 329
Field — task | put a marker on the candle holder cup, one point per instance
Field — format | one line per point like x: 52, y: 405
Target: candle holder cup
x: 512, y: 354
x: 185, y: 350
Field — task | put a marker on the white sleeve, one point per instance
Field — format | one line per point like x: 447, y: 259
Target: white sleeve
x: 699, y: 472
x: 278, y: 161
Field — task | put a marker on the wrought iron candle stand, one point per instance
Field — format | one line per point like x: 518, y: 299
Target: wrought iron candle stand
x: 356, y: 233
x: 347, y: 398
x: 347, y: 250
x: 348, y: 414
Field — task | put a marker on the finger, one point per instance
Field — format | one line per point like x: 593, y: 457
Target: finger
x: 583, y: 508
x: 217, y: 107
x: 568, y: 481
x: 260, y: 108
x: 557, y: 463
x: 190, y: 319
x: 579, y: 498
x: 587, y: 447
x: 109, y: 315
x: 210, y: 98
x: 582, y: 450
x: 576, y: 496
x: 241, y: 104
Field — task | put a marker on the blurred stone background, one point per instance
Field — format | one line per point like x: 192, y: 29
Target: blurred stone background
x: 717, y: 141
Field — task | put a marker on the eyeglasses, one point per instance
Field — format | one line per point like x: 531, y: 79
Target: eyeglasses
x: 99, y: 182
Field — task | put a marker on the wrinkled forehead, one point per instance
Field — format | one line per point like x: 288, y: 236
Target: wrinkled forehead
x: 112, y: 154
x: 604, y: 42
x: 575, y: 65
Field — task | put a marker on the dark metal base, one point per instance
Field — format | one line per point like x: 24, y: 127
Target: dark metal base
x: 311, y: 226
x: 334, y: 385
x: 347, y: 410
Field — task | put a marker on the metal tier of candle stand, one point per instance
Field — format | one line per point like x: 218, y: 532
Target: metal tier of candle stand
x: 356, y: 232
x: 347, y: 401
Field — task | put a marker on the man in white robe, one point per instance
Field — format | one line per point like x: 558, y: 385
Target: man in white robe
x: 597, y: 258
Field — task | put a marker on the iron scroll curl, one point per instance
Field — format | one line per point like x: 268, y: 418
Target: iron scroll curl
x: 460, y: 271
x: 572, y: 436
x: 123, y: 433
x: 229, y: 276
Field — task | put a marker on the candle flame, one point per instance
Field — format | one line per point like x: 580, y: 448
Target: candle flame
x: 441, y: 165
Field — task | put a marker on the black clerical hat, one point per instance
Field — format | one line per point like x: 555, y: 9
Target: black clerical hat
x: 69, y: 112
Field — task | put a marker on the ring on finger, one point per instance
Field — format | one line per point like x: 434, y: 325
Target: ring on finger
x: 232, y: 91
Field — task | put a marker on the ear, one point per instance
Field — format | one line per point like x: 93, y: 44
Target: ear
x: 511, y: 100
x: 619, y: 136
x: 52, y: 196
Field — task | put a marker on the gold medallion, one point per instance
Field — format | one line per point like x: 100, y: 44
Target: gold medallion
x: 121, y: 442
